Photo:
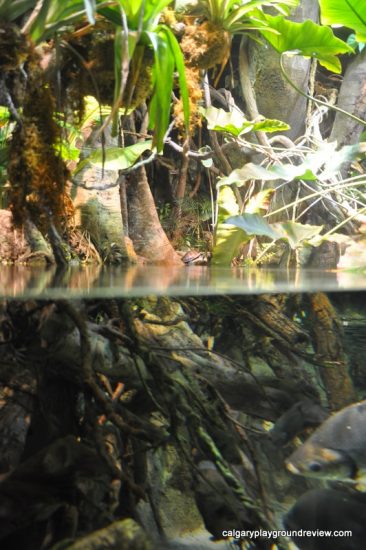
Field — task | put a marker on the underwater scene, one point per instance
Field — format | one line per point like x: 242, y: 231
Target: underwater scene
x: 178, y: 420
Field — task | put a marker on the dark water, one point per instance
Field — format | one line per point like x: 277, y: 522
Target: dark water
x: 346, y: 290
x: 117, y: 282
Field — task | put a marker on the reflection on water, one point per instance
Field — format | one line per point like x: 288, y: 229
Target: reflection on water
x: 106, y: 282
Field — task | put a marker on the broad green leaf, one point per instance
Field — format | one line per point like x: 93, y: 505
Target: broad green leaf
x: 290, y: 172
x: 339, y: 238
x: 323, y: 163
x: 227, y: 204
x: 253, y: 224
x: 349, y: 13
x: 296, y: 233
x: 116, y: 158
x: 236, y: 124
x: 308, y: 39
x: 250, y: 171
x: 228, y: 238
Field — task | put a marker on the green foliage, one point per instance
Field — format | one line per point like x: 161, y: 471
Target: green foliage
x: 168, y: 58
x: 233, y: 231
x: 307, y: 39
x: 323, y: 163
x: 17, y: 8
x: 115, y: 158
x: 58, y: 16
x: 349, y: 13
x: 236, y: 124
x: 253, y: 225
x: 141, y: 17
x: 228, y: 238
x: 235, y: 17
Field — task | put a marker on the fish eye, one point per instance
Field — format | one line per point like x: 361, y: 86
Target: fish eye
x: 315, y: 466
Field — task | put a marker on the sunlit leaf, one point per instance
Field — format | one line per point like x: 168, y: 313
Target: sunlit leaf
x: 250, y: 171
x: 296, y: 233
x: 163, y: 83
x: 55, y: 15
x: 116, y: 158
x: 228, y: 238
x: 308, y: 39
x: 179, y: 63
x: 236, y: 124
x: 349, y: 13
x: 259, y: 202
x: 253, y: 224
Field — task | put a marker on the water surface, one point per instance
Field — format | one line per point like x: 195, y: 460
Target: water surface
x: 133, y: 281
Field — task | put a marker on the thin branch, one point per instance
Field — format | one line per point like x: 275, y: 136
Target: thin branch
x: 33, y: 16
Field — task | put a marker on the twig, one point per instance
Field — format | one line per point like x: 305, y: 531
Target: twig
x: 33, y: 16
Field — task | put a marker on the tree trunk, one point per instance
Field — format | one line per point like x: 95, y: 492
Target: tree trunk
x: 145, y: 231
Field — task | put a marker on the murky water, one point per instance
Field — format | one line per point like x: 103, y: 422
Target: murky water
x: 264, y: 355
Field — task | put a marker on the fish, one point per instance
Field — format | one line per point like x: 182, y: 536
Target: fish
x: 328, y: 510
x: 336, y: 450
x: 301, y: 415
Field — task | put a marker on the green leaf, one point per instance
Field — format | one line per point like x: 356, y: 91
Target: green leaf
x: 254, y: 224
x: 55, y: 15
x: 11, y: 10
x: 323, y: 163
x: 259, y: 201
x: 163, y: 83
x: 296, y: 233
x: 290, y: 172
x: 349, y: 13
x: 270, y: 125
x: 116, y: 158
x: 308, y: 39
x: 180, y: 66
x: 67, y: 151
x: 249, y: 172
x: 236, y: 124
x: 228, y: 238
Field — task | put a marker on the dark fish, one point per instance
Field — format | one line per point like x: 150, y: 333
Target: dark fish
x: 303, y: 414
x: 219, y: 507
x: 329, y: 510
x: 336, y: 450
